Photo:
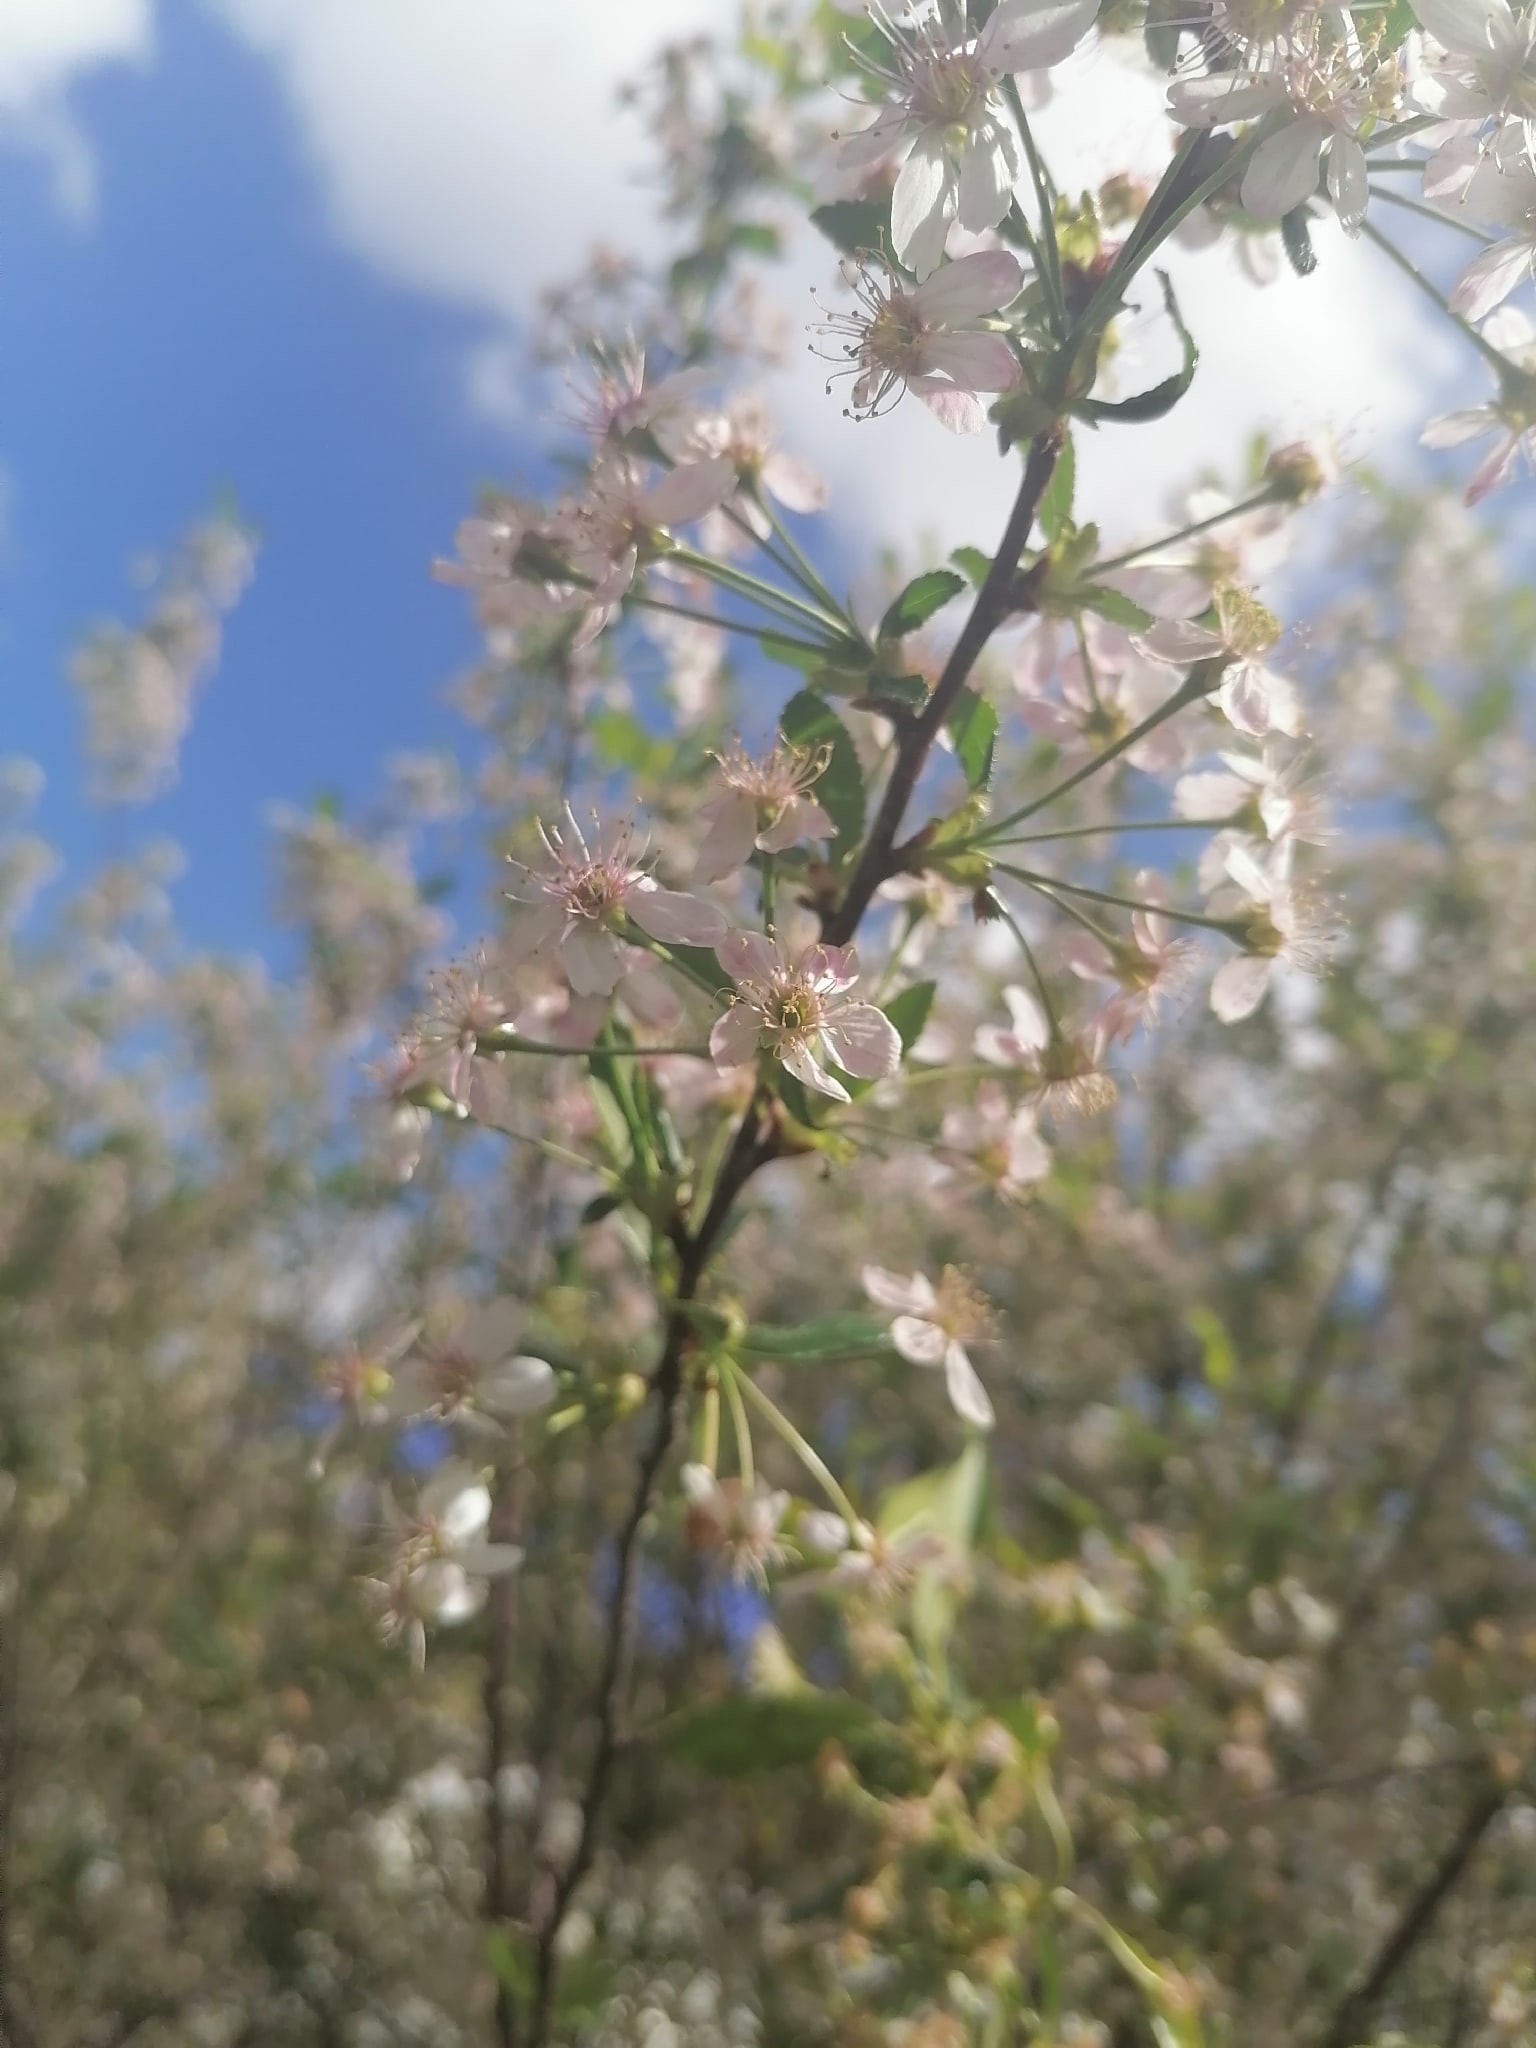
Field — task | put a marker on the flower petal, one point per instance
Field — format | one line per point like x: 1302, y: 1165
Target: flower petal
x: 1029, y: 35
x: 1178, y: 641
x: 748, y: 956
x: 901, y: 1294
x: 1491, y: 276
x: 968, y: 1397
x: 961, y: 411
x: 689, y: 491
x: 1349, y: 182
x: 1237, y: 987
x: 733, y: 1040
x: 672, y: 917
x: 727, y: 845
x: 981, y: 283
x: 976, y: 362
x: 1282, y: 172
x: 919, y: 1342
x: 592, y: 960
x: 918, y: 197
x: 863, y: 1041
x: 800, y: 1061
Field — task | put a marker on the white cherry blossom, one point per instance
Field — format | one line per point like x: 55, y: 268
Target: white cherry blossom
x: 579, y: 903
x: 928, y: 339
x: 946, y: 113
x: 795, y: 1008
x: 932, y: 1327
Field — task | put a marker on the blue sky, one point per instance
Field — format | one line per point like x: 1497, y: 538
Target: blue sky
x: 203, y: 333
x: 285, y: 248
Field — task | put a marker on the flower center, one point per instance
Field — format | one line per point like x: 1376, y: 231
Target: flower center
x: 962, y: 1310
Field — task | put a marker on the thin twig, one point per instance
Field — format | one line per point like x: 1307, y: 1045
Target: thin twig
x: 994, y: 601
x: 1348, y: 2024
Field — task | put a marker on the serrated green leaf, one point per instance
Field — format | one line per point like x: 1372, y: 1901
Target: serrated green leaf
x: 972, y: 725
x: 972, y: 563
x: 923, y: 596
x: 747, y: 1733
x: 837, y: 1336
x: 905, y: 693
x: 1056, y: 504
x: 807, y: 720
x: 1113, y: 605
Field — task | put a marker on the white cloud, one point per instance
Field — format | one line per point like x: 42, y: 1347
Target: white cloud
x: 44, y: 46
x: 472, y: 150
x: 469, y: 148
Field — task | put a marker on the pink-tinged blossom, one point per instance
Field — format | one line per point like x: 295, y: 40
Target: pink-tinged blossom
x: 466, y: 1001
x: 1502, y: 191
x: 1063, y: 1071
x: 795, y: 1009
x: 932, y: 1327
x: 999, y: 1139
x: 401, y: 1121
x: 763, y: 803
x: 490, y: 564
x: 1144, y: 973
x: 1319, y: 87
x: 442, y: 1561
x: 1284, y: 924
x: 1254, y: 699
x: 738, y: 1524
x: 1104, y: 687
x: 622, y: 517
x: 469, y: 1370
x: 1483, y: 72
x: 1511, y: 416
x: 928, y: 339
x: 580, y: 901
x: 742, y: 434
x: 945, y: 113
x: 620, y: 402
x: 1271, y: 789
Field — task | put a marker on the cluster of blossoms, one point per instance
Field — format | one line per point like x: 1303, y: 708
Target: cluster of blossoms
x: 776, y: 968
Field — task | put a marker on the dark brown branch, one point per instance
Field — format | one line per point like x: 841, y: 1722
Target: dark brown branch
x: 755, y: 1143
x: 994, y: 601
x: 1349, y: 2022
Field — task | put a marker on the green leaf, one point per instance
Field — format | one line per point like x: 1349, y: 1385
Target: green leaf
x: 748, y: 1733
x: 972, y: 725
x: 511, y: 1959
x: 948, y: 1500
x: 1056, y: 505
x: 622, y: 741
x: 1162, y: 398
x: 792, y: 653
x: 836, y: 1336
x: 853, y: 225
x: 809, y: 721
x: 1220, y: 1360
x: 905, y: 693
x: 1113, y: 605
x: 923, y: 596
x: 910, y: 1010
x: 973, y: 564
x: 756, y: 236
